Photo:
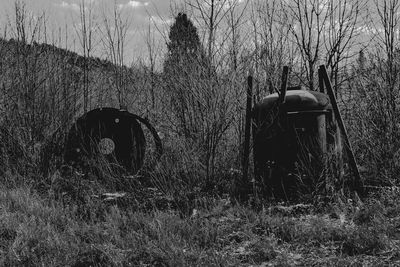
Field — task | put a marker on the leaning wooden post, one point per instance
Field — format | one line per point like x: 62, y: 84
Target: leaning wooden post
x: 338, y: 147
x: 322, y: 129
x: 247, y: 131
x: 322, y: 123
x: 358, y: 182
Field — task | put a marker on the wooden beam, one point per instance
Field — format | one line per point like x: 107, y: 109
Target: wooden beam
x: 357, y: 181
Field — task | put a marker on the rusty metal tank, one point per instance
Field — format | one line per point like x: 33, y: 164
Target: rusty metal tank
x: 290, y: 142
x: 114, y: 135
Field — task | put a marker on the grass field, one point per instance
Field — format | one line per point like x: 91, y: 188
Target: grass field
x: 45, y: 230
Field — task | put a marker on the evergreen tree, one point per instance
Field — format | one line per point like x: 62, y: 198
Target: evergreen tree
x: 196, y: 99
x: 185, y: 72
x: 184, y: 48
x: 183, y: 35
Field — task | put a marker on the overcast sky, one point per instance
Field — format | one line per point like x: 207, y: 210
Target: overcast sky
x: 60, y: 13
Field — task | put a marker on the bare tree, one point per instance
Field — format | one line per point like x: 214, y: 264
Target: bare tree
x: 272, y: 47
x: 85, y: 31
x: 387, y: 66
x: 308, y: 19
x: 114, y: 31
x: 27, y: 80
x: 323, y: 30
x: 235, y: 22
x: 211, y: 14
x: 389, y: 20
x: 340, y: 38
x: 153, y: 49
x: 35, y: 81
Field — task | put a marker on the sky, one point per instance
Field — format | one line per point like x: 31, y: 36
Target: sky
x: 63, y: 16
x: 146, y: 17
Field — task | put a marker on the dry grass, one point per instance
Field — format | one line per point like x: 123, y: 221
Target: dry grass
x: 41, y: 231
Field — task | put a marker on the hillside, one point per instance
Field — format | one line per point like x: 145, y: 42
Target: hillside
x: 42, y: 89
x: 54, y: 77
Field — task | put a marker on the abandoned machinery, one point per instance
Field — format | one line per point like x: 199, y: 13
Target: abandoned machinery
x: 290, y: 141
x: 293, y: 132
x: 111, y: 135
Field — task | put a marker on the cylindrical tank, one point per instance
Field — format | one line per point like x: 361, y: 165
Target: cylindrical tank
x: 290, y: 142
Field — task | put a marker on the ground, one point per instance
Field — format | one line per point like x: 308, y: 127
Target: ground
x: 40, y: 229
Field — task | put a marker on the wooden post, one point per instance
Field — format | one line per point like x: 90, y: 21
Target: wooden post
x: 358, y: 182
x: 247, y: 131
x: 285, y: 74
x: 321, y: 81
x: 322, y: 122
x: 338, y: 136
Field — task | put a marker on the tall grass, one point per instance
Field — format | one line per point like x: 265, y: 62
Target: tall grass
x: 38, y: 231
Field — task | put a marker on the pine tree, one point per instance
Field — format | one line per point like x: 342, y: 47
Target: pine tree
x: 185, y: 51
x: 197, y: 101
x: 183, y: 35
x: 185, y: 73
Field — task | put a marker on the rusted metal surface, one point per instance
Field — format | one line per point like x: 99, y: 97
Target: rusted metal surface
x: 294, y: 132
x: 115, y: 136
x: 290, y: 141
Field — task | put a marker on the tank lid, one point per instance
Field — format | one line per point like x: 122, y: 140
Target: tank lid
x: 298, y: 100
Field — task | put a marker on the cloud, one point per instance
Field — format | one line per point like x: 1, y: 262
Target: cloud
x: 133, y: 4
x: 232, y: 3
x: 67, y: 5
x: 158, y: 20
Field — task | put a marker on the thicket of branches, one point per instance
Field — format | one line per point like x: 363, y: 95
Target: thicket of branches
x: 195, y: 92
